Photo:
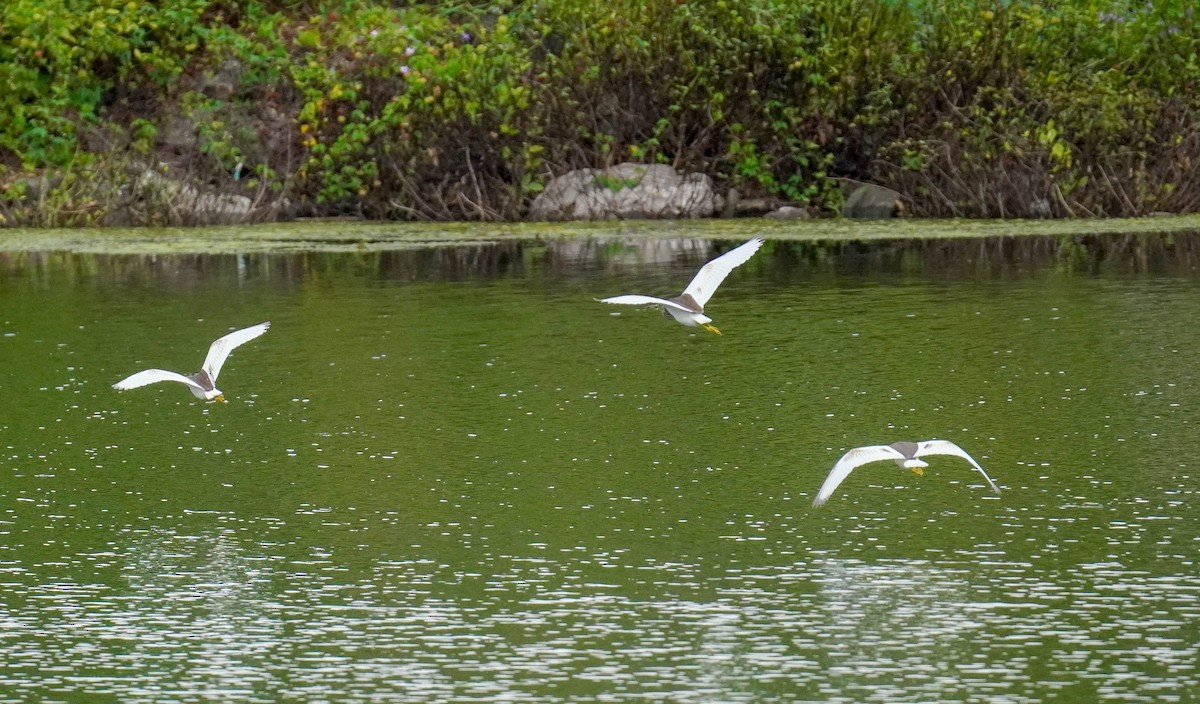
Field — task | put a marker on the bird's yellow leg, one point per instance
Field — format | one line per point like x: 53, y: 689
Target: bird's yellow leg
x: 919, y: 471
x: 711, y: 329
x: 220, y: 398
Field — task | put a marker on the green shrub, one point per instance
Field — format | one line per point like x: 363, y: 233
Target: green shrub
x: 59, y: 59
x: 1021, y: 109
x: 449, y: 110
x: 413, y: 112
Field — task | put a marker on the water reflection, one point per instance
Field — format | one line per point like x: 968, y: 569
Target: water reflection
x: 587, y: 257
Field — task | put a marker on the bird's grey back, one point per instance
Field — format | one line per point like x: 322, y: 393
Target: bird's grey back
x: 688, y: 302
x: 201, y: 377
x: 906, y: 448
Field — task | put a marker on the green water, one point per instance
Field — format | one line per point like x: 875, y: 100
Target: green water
x: 446, y: 473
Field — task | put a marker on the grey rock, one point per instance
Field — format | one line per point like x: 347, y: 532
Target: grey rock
x: 627, y: 191
x: 868, y: 201
x: 787, y: 212
x: 733, y: 201
x: 191, y: 206
x: 754, y: 207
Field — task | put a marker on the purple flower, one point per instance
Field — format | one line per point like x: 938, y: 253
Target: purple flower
x: 404, y: 70
x: 410, y: 51
x: 465, y: 36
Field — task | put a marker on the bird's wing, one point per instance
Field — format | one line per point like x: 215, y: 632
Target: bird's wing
x: 713, y: 273
x: 945, y: 447
x: 854, y: 458
x: 637, y: 300
x: 153, y: 376
x: 223, y: 346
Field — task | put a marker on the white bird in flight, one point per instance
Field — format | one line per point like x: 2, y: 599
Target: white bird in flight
x: 688, y: 308
x: 904, y: 454
x: 202, y: 384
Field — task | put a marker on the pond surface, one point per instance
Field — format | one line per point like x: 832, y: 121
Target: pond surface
x: 448, y: 474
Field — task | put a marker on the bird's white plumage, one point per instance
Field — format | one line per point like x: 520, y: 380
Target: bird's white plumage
x: 851, y: 460
x: 874, y: 453
x: 634, y: 299
x: 153, y: 376
x: 218, y: 352
x: 701, y: 288
x: 710, y: 276
x: 945, y: 447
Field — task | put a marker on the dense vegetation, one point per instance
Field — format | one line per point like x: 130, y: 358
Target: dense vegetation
x: 457, y: 111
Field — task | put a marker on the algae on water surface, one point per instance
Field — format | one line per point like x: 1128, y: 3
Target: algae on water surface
x: 358, y: 236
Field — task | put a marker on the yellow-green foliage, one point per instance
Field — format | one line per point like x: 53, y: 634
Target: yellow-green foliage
x: 396, y: 95
x: 441, y: 109
x: 58, y: 58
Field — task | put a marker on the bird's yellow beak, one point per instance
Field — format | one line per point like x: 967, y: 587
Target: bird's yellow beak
x: 220, y: 398
x: 919, y: 471
x: 711, y: 329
